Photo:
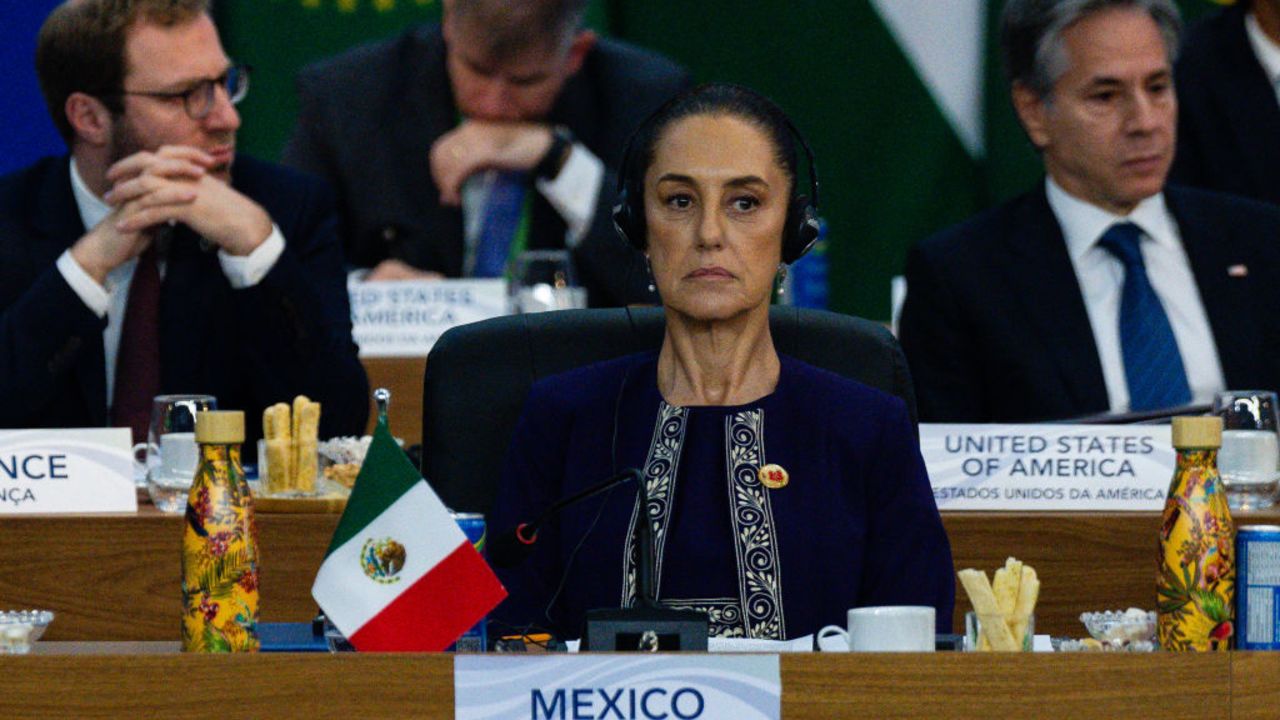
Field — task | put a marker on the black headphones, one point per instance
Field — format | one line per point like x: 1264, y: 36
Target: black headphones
x: 799, y: 233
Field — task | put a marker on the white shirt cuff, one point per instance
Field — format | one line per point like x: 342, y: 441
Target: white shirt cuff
x: 94, y: 296
x: 244, y: 271
x: 574, y: 191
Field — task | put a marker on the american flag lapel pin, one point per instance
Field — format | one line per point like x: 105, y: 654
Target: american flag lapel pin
x: 1238, y: 271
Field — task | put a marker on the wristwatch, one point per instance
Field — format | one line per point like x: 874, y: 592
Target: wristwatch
x: 548, y: 168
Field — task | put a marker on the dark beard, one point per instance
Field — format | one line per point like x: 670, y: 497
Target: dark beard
x: 124, y: 141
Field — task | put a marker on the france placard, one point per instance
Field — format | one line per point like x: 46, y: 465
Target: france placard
x: 81, y: 470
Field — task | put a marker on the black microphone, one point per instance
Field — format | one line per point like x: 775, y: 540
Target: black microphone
x: 512, y: 547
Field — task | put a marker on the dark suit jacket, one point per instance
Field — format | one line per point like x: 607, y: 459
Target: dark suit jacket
x: 995, y: 328
x: 370, y: 116
x: 289, y: 334
x: 1228, y: 117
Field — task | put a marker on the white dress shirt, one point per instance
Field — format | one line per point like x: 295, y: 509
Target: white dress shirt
x: 572, y: 193
x: 110, y: 301
x: 1101, y: 278
x: 1266, y: 50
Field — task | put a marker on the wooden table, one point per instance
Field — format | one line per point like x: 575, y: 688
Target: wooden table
x: 71, y: 682
x: 115, y: 577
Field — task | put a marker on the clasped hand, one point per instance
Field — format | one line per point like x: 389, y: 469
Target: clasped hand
x: 174, y: 184
x: 472, y: 147
x: 478, y: 145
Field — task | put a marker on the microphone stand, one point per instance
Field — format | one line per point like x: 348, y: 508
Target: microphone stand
x: 648, y: 626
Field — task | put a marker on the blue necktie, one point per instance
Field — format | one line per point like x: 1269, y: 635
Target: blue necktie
x: 501, y: 218
x: 1152, y: 364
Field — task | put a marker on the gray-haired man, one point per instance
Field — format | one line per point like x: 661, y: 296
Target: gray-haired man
x: 453, y: 147
x: 1102, y: 289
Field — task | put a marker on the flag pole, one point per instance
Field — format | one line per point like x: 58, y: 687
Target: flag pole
x: 382, y: 400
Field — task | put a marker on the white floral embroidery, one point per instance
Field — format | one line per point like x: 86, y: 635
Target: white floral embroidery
x: 725, y: 614
x: 757, y: 611
x: 759, y: 571
x: 660, y: 482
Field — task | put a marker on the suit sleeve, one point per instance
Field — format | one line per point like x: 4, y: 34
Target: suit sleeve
x: 296, y: 336
x: 908, y: 558
x: 42, y: 335
x: 531, y: 480
x: 946, y: 372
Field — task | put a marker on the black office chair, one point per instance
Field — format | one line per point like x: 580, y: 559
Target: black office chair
x: 478, y: 375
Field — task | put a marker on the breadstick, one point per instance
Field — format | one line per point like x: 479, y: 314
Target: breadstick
x: 306, y: 422
x: 1028, y: 594
x: 279, y: 449
x: 987, y: 609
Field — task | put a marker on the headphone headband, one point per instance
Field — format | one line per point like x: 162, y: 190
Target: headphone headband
x: 799, y: 233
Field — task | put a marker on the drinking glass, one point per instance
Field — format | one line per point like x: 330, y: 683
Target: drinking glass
x: 172, y: 454
x: 1249, y: 460
x: 544, y: 280
x: 974, y: 642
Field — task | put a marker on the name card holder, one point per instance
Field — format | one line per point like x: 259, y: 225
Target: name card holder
x: 84, y: 470
x: 1048, y: 467
x: 547, y: 686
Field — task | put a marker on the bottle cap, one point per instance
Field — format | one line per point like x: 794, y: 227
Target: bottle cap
x: 220, y: 426
x: 1204, y: 431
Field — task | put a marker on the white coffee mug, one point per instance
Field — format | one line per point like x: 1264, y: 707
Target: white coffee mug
x: 893, y: 628
x: 179, y: 453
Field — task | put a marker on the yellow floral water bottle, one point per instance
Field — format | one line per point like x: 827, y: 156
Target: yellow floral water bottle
x: 219, y: 544
x: 1196, y: 586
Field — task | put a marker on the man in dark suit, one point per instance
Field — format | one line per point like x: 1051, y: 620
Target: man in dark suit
x: 153, y: 260
x: 1103, y: 290
x: 427, y: 137
x: 1229, y: 116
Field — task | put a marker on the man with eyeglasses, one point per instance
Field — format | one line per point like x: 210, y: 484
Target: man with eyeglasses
x: 454, y: 147
x: 154, y: 259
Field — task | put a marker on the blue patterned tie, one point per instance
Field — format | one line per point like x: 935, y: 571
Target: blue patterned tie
x: 1152, y: 364
x: 501, y: 218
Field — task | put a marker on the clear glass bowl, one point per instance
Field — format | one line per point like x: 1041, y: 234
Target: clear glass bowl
x: 1132, y: 630
x: 19, y: 629
x: 1115, y: 625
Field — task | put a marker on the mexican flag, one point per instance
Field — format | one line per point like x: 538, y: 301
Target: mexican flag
x: 400, y: 575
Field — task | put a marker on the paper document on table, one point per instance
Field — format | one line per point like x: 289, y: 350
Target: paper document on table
x: 729, y: 645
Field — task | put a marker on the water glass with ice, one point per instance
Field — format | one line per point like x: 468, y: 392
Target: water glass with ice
x: 1249, y: 460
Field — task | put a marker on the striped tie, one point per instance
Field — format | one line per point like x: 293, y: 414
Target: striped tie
x: 1152, y: 364
x: 502, y: 212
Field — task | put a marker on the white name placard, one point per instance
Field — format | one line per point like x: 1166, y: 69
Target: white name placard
x: 639, y: 686
x: 66, y: 471
x: 404, y: 318
x: 1048, y: 467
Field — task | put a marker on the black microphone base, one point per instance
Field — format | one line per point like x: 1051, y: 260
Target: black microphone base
x: 639, y: 629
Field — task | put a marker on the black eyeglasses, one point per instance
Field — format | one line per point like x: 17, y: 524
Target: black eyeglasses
x: 198, y: 100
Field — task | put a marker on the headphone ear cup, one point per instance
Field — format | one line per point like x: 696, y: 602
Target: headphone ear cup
x: 802, y: 230
x: 624, y: 221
